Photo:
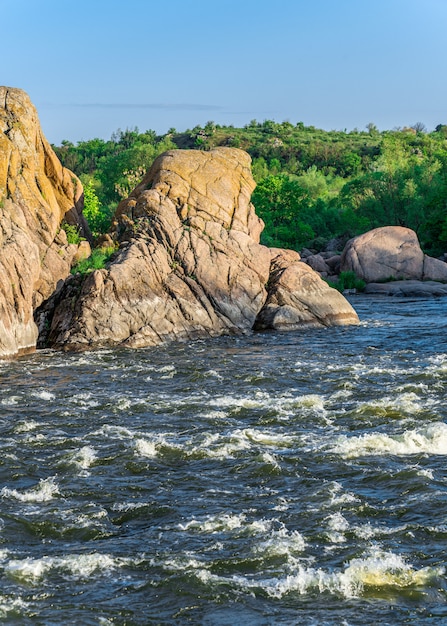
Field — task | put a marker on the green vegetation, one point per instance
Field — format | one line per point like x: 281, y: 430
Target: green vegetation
x: 72, y: 232
x: 96, y: 261
x: 348, y: 280
x: 313, y: 185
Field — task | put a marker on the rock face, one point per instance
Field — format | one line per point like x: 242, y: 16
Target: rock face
x: 190, y: 264
x: 298, y: 297
x: 390, y: 252
x: 36, y: 194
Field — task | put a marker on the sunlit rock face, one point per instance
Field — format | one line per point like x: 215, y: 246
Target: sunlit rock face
x: 299, y: 297
x: 36, y: 194
x: 189, y: 265
x: 390, y: 252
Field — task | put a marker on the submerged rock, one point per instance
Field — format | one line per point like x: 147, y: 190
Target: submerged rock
x: 190, y: 264
x: 36, y: 194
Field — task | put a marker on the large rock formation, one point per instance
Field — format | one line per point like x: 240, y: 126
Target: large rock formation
x: 390, y: 252
x: 190, y: 264
x: 36, y: 194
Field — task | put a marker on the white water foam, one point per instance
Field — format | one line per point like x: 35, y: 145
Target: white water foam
x: 379, y: 570
x: 11, y: 605
x: 83, y: 458
x: 337, y: 525
x: 26, y: 427
x: 11, y: 401
x: 145, y: 448
x: 402, y: 404
x: 44, y: 395
x: 84, y: 400
x: 43, y: 492
x: 77, y: 565
x: 431, y: 439
x: 282, y: 542
x: 213, y: 524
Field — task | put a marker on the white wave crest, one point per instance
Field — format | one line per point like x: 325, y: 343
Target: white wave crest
x: 213, y: 524
x: 376, y: 571
x: 384, y: 570
x: 407, y: 403
x: 337, y: 525
x: 43, y: 492
x: 143, y: 447
x: 9, y: 605
x: 84, y: 457
x: 11, y: 401
x: 44, y: 395
x: 26, y: 427
x: 77, y: 565
x: 281, y: 542
x: 431, y: 439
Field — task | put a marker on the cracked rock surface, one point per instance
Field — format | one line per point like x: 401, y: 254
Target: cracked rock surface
x: 189, y: 264
x: 36, y: 194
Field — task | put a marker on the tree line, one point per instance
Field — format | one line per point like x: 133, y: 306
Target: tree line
x: 314, y: 187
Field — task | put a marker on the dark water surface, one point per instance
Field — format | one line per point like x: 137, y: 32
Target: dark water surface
x: 295, y: 478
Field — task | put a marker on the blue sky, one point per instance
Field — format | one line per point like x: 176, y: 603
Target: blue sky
x: 93, y: 66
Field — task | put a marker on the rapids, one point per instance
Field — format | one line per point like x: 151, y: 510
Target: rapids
x: 271, y: 479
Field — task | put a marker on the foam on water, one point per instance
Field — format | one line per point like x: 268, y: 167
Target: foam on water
x: 337, y: 525
x: 84, y: 400
x: 11, y: 605
x: 114, y: 432
x: 367, y: 575
x: 145, y: 448
x: 338, y: 496
x: 431, y: 439
x: 32, y: 571
x: 43, y: 492
x: 11, y: 400
x: 26, y: 427
x: 84, y: 457
x: 44, y: 395
x: 402, y: 404
x: 213, y: 524
x: 282, y: 542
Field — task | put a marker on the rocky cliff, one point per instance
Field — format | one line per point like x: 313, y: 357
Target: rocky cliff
x: 190, y: 264
x: 36, y: 194
x: 188, y: 261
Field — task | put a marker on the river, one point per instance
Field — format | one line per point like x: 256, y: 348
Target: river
x: 276, y: 478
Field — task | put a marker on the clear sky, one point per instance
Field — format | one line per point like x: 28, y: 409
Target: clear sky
x: 93, y: 66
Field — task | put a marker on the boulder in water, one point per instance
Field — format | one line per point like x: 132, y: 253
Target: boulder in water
x: 190, y: 264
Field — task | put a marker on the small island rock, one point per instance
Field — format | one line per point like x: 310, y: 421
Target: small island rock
x: 190, y: 264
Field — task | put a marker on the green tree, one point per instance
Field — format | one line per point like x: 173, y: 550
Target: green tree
x: 97, y: 216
